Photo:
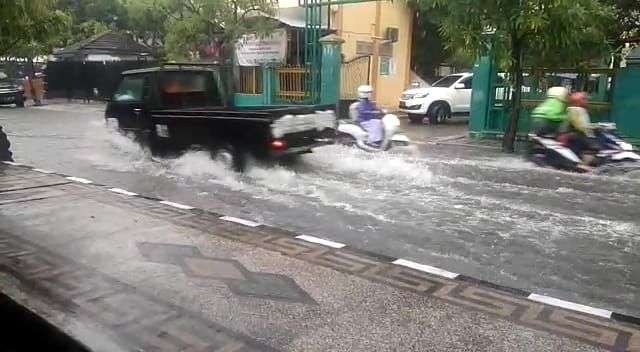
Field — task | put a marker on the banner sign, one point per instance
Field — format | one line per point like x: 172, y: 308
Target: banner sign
x: 252, y: 50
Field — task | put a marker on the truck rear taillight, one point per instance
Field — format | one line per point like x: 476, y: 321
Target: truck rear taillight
x: 278, y: 144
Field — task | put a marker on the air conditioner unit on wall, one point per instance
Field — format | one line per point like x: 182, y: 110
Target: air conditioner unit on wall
x: 391, y: 34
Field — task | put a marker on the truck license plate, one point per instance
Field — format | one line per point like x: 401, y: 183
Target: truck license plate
x: 162, y: 131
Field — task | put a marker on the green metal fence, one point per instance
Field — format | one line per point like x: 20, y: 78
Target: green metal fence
x: 626, y: 103
x: 491, y: 97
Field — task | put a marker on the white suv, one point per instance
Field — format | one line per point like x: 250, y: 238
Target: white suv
x: 449, y: 95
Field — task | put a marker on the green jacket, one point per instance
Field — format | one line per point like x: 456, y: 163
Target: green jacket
x: 552, y: 110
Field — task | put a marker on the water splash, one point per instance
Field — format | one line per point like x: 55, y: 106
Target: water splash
x: 117, y: 152
x: 368, y: 166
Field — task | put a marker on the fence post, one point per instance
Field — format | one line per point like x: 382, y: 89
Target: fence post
x: 625, y: 105
x: 268, y: 84
x: 481, y: 94
x: 330, y: 69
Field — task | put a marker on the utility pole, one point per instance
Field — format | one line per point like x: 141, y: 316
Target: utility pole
x: 376, y: 47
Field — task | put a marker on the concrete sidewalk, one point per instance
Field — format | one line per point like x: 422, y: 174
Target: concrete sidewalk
x: 121, y: 272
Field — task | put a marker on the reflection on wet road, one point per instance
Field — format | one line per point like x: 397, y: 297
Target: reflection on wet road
x: 497, y: 217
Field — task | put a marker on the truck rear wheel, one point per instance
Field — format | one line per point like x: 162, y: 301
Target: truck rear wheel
x: 230, y: 157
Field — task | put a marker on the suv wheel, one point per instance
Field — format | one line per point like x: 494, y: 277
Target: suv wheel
x: 439, y: 113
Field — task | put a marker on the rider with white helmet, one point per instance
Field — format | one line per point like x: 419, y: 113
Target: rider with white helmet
x: 368, y: 115
x: 550, y: 116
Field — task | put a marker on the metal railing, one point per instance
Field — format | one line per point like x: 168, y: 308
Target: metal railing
x: 250, y: 80
x: 354, y: 73
x: 291, y: 84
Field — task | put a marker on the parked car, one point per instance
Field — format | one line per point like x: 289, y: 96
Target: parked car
x: 11, y: 91
x: 447, y: 96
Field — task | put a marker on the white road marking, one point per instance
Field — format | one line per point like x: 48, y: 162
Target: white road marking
x: 43, y: 171
x: 240, y: 221
x: 426, y: 268
x: 79, y: 179
x: 123, y: 191
x: 177, y: 205
x: 12, y: 163
x: 321, y: 241
x: 570, y: 305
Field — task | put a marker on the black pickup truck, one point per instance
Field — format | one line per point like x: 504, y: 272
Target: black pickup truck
x: 174, y: 108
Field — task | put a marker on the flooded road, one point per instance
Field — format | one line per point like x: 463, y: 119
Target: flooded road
x: 476, y: 212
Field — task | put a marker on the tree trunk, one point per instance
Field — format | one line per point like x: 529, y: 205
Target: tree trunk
x: 509, y: 138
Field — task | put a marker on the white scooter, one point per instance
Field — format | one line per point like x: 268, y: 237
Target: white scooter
x: 351, y: 133
x: 615, y: 157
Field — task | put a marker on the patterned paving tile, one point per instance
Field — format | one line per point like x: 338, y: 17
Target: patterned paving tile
x: 239, y: 279
x: 145, y: 322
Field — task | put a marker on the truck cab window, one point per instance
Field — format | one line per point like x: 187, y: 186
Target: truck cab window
x: 188, y: 89
x: 130, y: 89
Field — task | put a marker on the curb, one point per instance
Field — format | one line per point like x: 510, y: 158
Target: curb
x: 547, y: 300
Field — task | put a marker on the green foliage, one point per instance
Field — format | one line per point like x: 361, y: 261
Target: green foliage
x: 626, y: 26
x: 552, y: 32
x: 193, y: 21
x: 111, y: 13
x: 627, y: 22
x: 537, y: 33
x: 91, y: 17
x: 30, y: 28
x: 86, y: 30
x: 429, y: 49
x: 147, y: 20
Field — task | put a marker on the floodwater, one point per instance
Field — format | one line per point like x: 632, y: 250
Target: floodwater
x: 474, y: 212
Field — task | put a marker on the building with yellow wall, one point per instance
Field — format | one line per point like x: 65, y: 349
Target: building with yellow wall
x: 381, y: 30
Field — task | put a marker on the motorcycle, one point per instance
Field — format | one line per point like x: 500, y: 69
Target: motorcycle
x: 614, y: 155
x: 351, y: 133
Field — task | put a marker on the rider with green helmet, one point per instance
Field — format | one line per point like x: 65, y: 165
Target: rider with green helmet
x: 551, y: 115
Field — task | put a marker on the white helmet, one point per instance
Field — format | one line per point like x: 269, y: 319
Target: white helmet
x: 560, y: 93
x: 364, y: 92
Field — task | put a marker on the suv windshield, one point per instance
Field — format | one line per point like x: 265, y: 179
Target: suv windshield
x: 130, y: 89
x: 447, y: 82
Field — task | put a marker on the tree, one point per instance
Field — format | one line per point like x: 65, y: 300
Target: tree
x: 91, y: 17
x: 29, y: 28
x: 191, y: 22
x: 147, y: 20
x: 428, y: 47
x: 626, y: 28
x: 552, y: 32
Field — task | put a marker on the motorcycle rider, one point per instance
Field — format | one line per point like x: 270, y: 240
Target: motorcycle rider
x: 581, y: 137
x: 368, y: 116
x: 550, y: 116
